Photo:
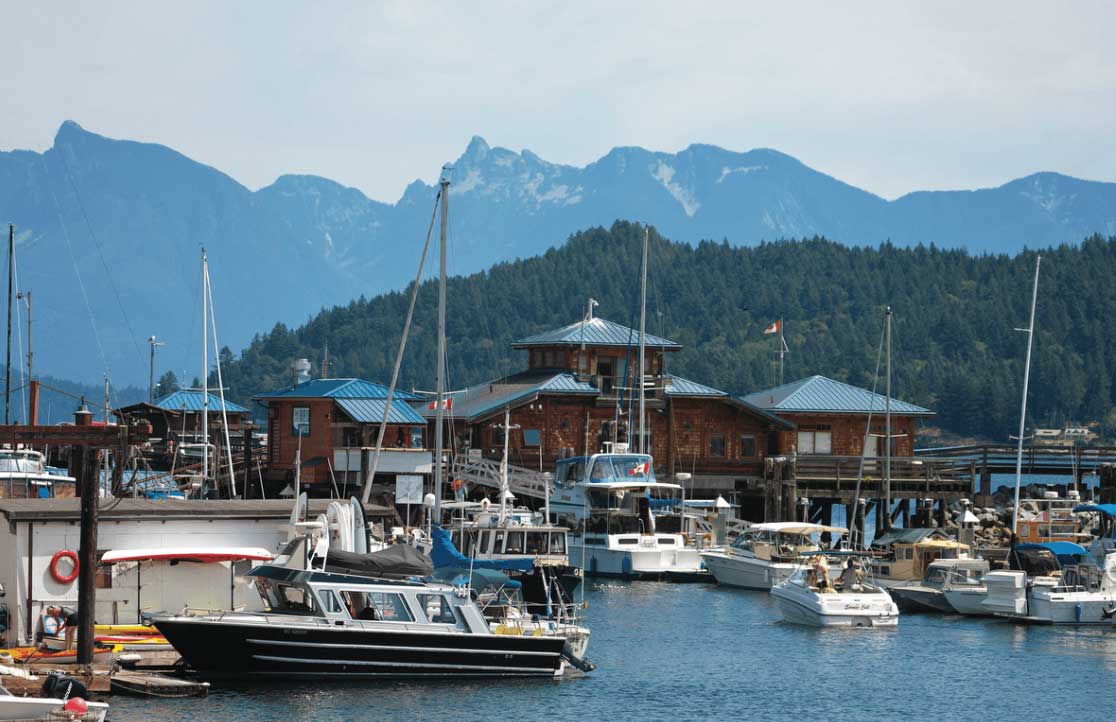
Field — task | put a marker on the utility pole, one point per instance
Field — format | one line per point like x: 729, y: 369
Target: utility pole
x: 8, y: 365
x: 27, y: 296
x: 154, y: 345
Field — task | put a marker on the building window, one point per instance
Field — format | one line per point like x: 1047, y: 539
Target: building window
x: 747, y: 446
x: 103, y: 578
x: 350, y: 436
x: 716, y: 445
x: 300, y: 420
x: 416, y: 437
x: 815, y: 442
x: 532, y: 437
x: 497, y: 435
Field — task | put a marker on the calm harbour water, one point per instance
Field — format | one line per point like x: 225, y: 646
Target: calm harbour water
x: 668, y: 652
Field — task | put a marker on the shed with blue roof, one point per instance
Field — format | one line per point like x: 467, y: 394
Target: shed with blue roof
x: 177, y: 415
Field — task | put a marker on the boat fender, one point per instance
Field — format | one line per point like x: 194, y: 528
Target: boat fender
x: 583, y: 664
x: 1078, y: 611
x: 61, y: 686
x: 56, y: 572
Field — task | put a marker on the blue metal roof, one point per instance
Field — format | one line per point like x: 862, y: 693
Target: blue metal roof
x: 597, y: 332
x: 336, y: 389
x: 195, y: 401
x: 371, y: 411
x: 818, y: 394
x: 482, y: 400
x: 678, y: 386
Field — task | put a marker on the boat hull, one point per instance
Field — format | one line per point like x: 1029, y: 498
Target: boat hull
x: 920, y: 599
x: 746, y: 572
x: 821, y: 610
x: 220, y: 648
x: 676, y: 564
x: 36, y: 708
x: 968, y: 601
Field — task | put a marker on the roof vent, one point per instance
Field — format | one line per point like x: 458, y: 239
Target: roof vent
x: 300, y: 369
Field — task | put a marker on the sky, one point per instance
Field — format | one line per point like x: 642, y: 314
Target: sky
x: 889, y: 96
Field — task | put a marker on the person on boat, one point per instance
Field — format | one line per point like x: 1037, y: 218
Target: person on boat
x: 851, y: 576
x: 821, y: 571
x: 65, y: 622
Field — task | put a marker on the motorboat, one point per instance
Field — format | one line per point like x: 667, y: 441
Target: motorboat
x: 765, y: 555
x: 806, y: 598
x: 328, y: 625
x: 607, y: 500
x: 942, y: 575
x: 24, y: 475
x: 965, y: 591
x: 29, y: 709
x: 903, y: 555
x: 520, y: 535
x: 1053, y: 583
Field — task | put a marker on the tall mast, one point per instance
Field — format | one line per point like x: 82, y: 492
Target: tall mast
x: 205, y: 369
x: 8, y: 365
x: 1023, y: 409
x: 887, y: 423
x: 782, y: 351
x: 30, y: 356
x: 440, y: 388
x: 504, y: 466
x: 643, y: 342
x: 151, y: 381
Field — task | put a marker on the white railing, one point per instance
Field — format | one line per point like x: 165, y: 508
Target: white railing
x: 486, y: 472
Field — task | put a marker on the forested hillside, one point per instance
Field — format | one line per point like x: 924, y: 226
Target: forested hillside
x: 955, y: 347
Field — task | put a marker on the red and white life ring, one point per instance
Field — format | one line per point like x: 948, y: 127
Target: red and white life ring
x: 58, y: 575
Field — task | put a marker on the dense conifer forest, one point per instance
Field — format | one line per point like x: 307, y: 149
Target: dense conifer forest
x: 955, y: 349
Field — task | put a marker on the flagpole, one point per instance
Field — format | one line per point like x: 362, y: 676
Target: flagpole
x: 782, y: 348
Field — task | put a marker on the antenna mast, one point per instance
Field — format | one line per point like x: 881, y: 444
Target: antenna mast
x: 440, y: 388
x: 643, y: 343
x: 1023, y: 410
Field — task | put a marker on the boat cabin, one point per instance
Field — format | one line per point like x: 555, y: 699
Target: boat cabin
x: 613, y: 494
x: 780, y: 541
x: 24, y: 475
x: 343, y: 599
x: 906, y: 553
x: 548, y: 543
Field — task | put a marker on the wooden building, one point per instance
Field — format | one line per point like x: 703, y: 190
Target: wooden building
x: 332, y: 424
x: 576, y: 397
x: 831, y: 418
x: 179, y: 414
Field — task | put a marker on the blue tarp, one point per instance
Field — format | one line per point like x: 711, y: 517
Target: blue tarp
x: 445, y: 554
x: 1106, y: 509
x: 1067, y: 552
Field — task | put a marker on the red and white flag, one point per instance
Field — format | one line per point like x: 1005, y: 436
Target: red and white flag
x: 446, y: 404
x: 639, y: 469
x: 776, y: 327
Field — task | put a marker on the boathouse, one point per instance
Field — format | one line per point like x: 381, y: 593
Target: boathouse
x: 577, y: 397
x: 332, y: 426
x: 180, y: 414
x: 831, y: 418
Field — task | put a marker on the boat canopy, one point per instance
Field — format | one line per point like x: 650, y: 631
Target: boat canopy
x: 797, y: 527
x: 398, y: 561
x: 203, y: 555
x: 1067, y: 552
x: 445, y: 555
x: 1106, y: 509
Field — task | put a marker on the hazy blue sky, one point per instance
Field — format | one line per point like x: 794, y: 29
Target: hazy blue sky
x: 890, y: 96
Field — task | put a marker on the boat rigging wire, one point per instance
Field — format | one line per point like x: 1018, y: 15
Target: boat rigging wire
x: 864, y: 451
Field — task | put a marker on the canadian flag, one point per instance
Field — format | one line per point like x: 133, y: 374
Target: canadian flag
x: 639, y: 469
x: 446, y: 404
x: 773, y: 328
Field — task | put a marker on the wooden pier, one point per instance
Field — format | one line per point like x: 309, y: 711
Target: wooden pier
x: 1074, y: 462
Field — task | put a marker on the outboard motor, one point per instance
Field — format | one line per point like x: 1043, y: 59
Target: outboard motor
x: 61, y: 686
x: 583, y: 664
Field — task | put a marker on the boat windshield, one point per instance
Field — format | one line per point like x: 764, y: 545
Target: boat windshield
x: 633, y: 468
x: 286, y: 598
x: 21, y: 462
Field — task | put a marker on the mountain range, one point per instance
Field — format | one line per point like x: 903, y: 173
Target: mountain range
x: 109, y: 232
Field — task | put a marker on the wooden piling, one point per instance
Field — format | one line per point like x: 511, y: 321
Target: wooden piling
x: 87, y: 553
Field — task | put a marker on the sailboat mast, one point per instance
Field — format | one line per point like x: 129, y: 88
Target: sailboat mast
x: 8, y: 365
x: 504, y: 467
x: 643, y: 343
x: 440, y: 388
x: 1023, y: 408
x: 887, y: 423
x: 205, y: 369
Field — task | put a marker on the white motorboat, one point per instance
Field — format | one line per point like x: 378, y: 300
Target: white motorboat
x: 942, y: 576
x: 44, y: 708
x: 765, y: 555
x: 965, y: 590
x: 1056, y: 583
x: 608, y: 500
x: 802, y: 600
x: 24, y: 474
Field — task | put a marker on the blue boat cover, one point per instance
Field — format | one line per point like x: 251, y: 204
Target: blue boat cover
x: 478, y: 579
x: 445, y: 554
x: 1106, y: 509
x: 1067, y: 552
